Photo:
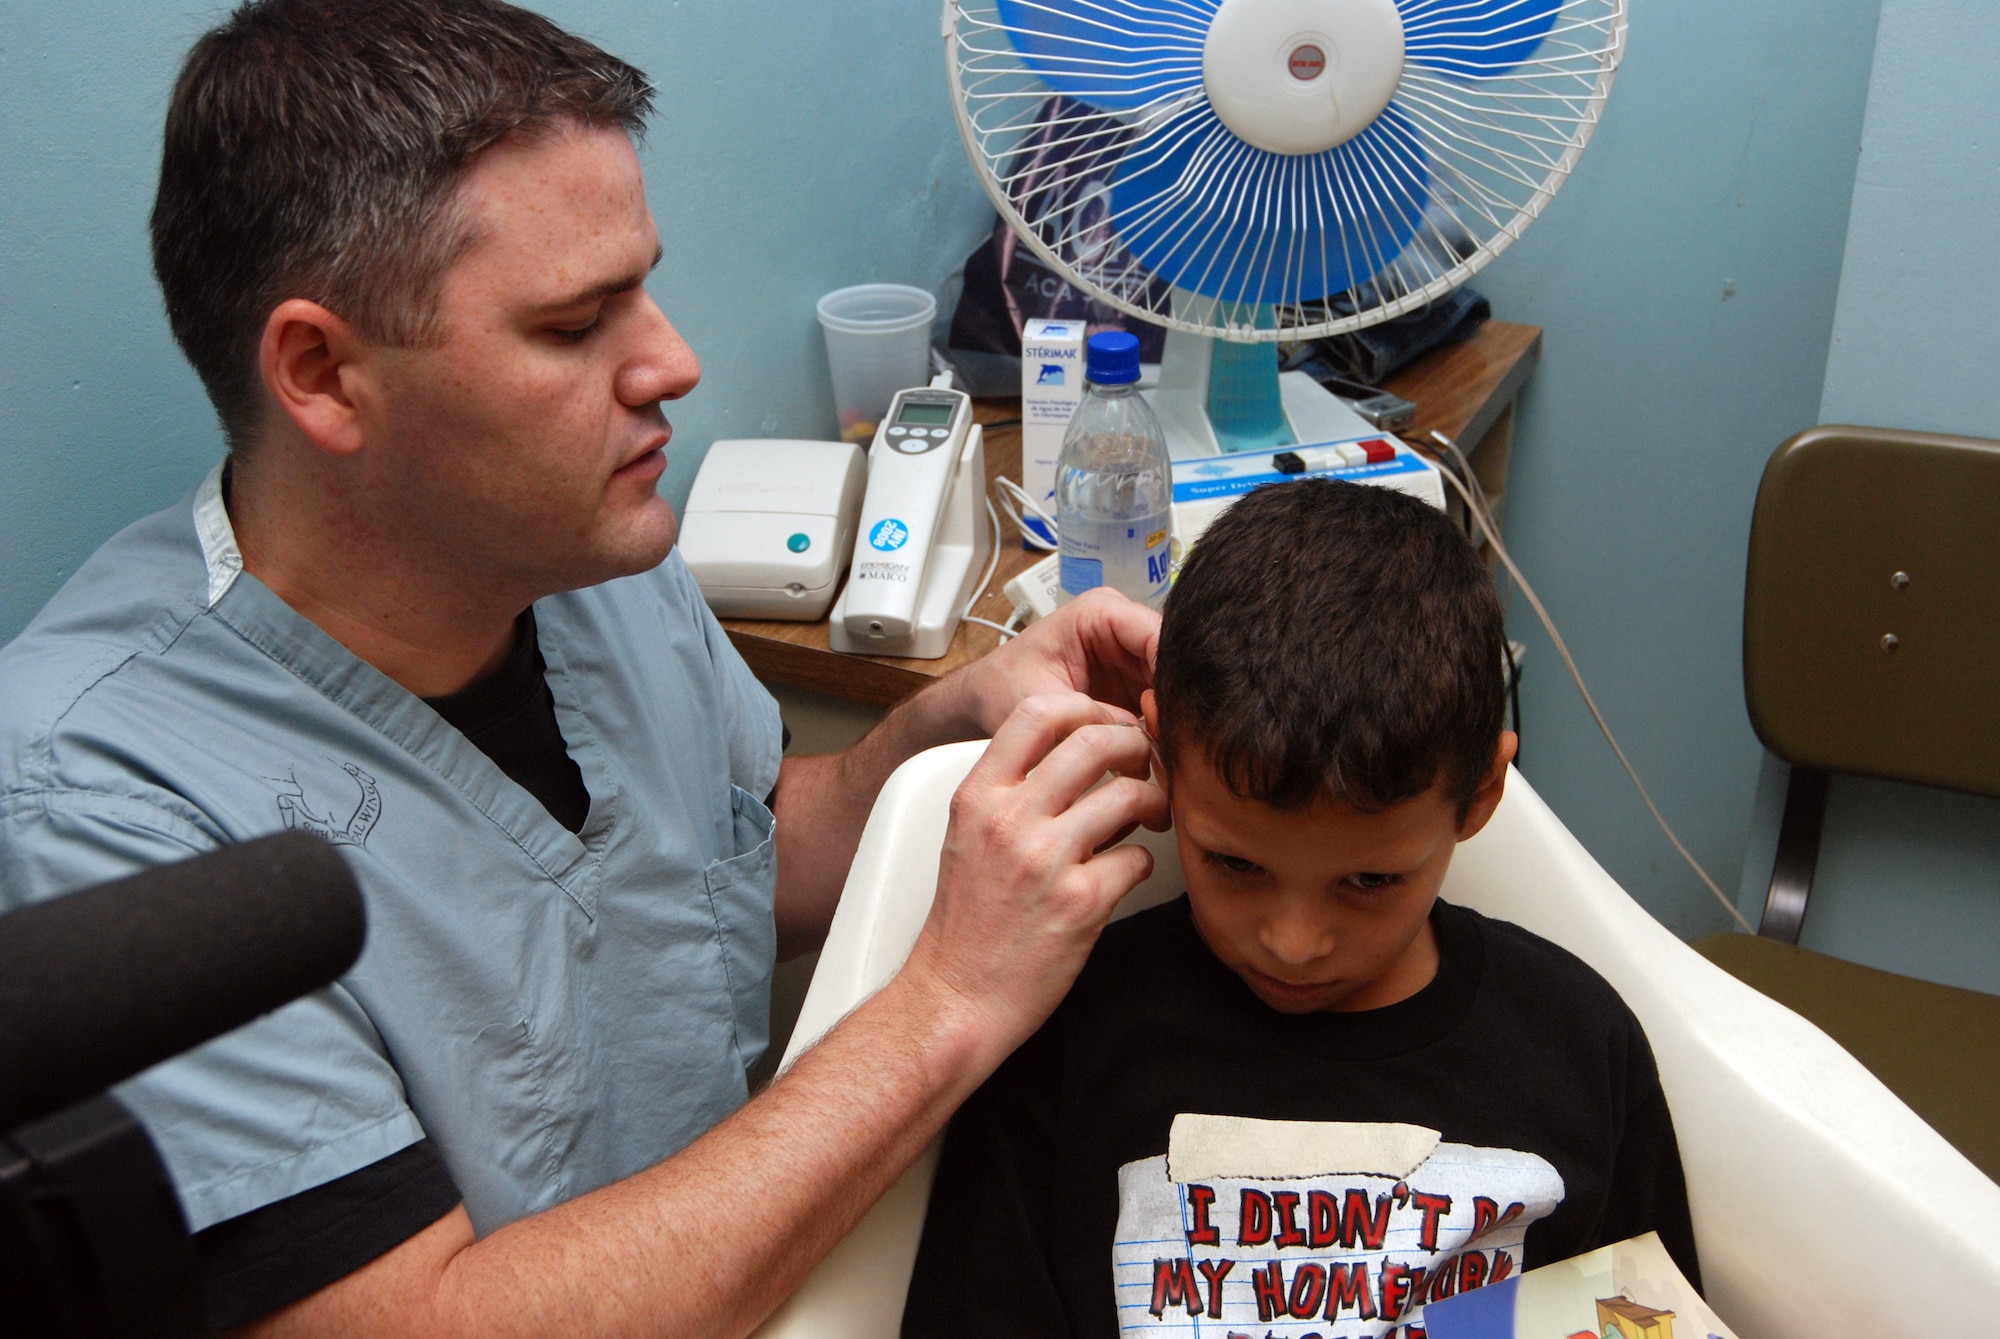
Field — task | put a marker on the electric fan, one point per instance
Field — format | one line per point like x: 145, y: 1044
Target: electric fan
x: 1248, y: 171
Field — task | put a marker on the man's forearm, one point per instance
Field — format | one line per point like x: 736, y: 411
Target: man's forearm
x: 823, y: 803
x: 708, y: 1242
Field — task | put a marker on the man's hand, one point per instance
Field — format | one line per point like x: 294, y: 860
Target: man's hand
x: 1024, y: 885
x: 1100, y: 644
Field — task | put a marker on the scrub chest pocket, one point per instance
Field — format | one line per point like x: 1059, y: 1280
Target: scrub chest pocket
x: 741, y: 891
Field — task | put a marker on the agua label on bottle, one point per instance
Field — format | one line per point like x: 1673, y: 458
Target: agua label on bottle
x: 1132, y: 556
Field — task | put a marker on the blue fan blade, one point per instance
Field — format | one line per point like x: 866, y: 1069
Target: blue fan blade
x: 1205, y: 211
x: 1476, y: 39
x: 1116, y: 55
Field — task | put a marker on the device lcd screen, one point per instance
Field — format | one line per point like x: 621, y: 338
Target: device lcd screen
x: 918, y: 414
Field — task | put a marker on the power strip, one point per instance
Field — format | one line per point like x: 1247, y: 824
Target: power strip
x: 1035, y: 591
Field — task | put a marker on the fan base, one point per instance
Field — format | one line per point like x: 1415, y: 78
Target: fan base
x: 1311, y: 412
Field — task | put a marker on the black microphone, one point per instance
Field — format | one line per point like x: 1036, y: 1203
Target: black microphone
x: 100, y: 984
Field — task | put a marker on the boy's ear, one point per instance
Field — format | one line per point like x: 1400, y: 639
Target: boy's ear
x: 1149, y: 712
x: 1487, y: 798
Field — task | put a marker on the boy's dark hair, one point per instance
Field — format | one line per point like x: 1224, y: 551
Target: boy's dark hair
x: 1334, y: 639
x: 313, y: 148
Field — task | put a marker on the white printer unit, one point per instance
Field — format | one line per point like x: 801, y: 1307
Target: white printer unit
x: 769, y: 525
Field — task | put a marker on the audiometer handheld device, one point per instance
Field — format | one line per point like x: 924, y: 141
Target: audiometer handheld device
x: 912, y: 466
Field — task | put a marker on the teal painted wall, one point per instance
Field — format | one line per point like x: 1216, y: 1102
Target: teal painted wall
x: 1686, y: 277
x: 799, y: 147
x: 1909, y: 877
x: 100, y: 419
x: 1915, y: 338
x: 778, y: 171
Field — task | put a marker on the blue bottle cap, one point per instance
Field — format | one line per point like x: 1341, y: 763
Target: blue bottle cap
x: 1112, y: 358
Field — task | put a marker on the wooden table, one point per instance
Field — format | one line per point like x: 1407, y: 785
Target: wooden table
x: 1465, y: 391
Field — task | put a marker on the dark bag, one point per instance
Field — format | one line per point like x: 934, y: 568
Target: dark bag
x: 1007, y: 284
x: 1373, y: 355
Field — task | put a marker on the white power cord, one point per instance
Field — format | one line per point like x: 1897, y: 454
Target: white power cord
x: 1007, y: 629
x: 1019, y: 505
x: 1476, y: 504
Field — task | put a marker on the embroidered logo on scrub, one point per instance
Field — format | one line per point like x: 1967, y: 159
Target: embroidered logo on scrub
x: 352, y: 830
x: 1315, y: 1230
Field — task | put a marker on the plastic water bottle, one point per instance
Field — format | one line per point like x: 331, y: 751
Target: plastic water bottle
x: 1114, y: 486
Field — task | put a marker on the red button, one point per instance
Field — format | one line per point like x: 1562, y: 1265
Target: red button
x: 1378, y: 451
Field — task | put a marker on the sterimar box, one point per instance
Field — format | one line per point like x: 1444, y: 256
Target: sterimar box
x: 1051, y: 389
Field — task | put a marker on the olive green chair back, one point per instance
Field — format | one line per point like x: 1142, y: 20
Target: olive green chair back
x: 1871, y: 625
x: 1871, y: 612
x: 1871, y: 645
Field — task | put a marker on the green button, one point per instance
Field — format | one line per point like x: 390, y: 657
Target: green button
x: 799, y: 543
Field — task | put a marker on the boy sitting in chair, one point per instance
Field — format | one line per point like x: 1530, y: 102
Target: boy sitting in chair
x: 1308, y: 1097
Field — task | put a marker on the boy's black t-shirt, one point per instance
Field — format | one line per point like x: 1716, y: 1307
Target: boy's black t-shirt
x: 1515, y: 1045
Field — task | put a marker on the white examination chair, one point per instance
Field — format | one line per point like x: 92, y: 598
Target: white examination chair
x: 1822, y: 1205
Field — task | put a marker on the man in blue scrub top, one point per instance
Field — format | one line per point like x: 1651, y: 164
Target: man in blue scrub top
x: 429, y: 610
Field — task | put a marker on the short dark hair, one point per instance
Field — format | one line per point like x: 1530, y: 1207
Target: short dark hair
x: 1333, y: 639
x: 313, y: 148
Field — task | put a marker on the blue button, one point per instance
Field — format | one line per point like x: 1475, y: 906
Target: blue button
x: 799, y: 543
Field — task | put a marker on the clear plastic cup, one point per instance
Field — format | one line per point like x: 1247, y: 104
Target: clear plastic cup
x: 878, y: 339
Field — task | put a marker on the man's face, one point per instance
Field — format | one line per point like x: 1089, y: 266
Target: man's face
x: 1321, y: 908
x: 528, y: 445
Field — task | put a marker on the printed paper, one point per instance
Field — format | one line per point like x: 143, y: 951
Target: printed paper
x: 1628, y: 1291
x: 1329, y: 1255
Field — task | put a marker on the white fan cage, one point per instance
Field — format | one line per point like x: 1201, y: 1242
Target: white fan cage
x: 1498, y: 148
